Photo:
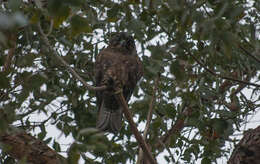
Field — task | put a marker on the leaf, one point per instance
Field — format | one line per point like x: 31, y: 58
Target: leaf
x: 6, y: 21
x: 59, y: 11
x: 14, y: 4
x: 20, y: 19
x: 26, y: 61
x: 59, y: 19
x: 43, y: 132
x: 113, y: 13
x: 177, y: 70
x: 220, y: 125
x: 48, y: 140
x: 79, y: 25
x: 73, y: 154
x: 136, y: 26
x: 205, y: 161
x: 35, y: 16
x: 88, y: 131
x: 4, y: 81
x: 37, y: 80
x: 56, y: 146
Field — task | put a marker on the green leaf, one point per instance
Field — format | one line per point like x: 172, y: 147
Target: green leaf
x: 59, y: 11
x: 58, y: 20
x: 88, y: 131
x: 4, y: 81
x: 177, y: 70
x: 56, y: 146
x: 20, y: 19
x: 26, y: 61
x: 113, y: 13
x: 206, y: 161
x: 43, y: 132
x: 79, y: 25
x: 73, y: 154
x: 14, y: 4
x: 48, y: 140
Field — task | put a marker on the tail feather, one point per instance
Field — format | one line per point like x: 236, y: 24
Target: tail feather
x: 109, y: 120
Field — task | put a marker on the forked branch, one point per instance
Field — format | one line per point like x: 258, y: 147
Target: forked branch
x: 121, y: 100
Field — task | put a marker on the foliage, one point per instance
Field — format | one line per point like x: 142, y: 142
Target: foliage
x: 203, y: 52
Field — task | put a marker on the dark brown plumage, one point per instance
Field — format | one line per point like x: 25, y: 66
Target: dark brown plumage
x: 117, y: 66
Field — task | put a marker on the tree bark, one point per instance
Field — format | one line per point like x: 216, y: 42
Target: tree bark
x: 20, y: 145
x: 248, y: 149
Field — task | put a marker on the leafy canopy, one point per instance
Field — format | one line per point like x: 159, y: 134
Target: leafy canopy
x: 205, y: 55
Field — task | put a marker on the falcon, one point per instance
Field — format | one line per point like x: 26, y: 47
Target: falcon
x: 119, y: 68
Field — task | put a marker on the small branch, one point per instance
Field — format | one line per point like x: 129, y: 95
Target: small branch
x: 50, y: 29
x: 175, y: 129
x: 121, y: 100
x: 10, y: 54
x: 240, y: 87
x: 218, y: 75
x: 149, y: 118
x: 72, y: 71
x: 249, y: 54
x: 212, y: 72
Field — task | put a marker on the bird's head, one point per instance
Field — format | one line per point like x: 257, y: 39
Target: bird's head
x: 122, y: 41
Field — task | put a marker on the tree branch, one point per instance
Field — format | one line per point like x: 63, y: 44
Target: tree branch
x: 121, y: 100
x: 249, y: 54
x: 71, y: 70
x: 11, y: 51
x: 149, y: 118
x: 212, y: 72
x: 23, y: 146
x: 218, y: 75
x: 176, y: 128
x: 248, y: 149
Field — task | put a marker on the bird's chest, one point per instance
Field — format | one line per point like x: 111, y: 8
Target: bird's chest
x: 118, y: 62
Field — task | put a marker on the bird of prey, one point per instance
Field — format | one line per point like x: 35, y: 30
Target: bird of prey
x: 118, y: 67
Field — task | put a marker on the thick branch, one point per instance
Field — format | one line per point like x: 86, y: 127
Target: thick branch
x: 72, y: 71
x: 248, y: 149
x: 121, y: 100
x: 23, y: 146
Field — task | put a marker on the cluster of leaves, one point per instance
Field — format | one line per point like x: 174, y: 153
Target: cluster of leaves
x: 191, y: 46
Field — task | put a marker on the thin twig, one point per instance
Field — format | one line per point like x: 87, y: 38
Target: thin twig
x: 72, y: 71
x: 218, y: 75
x: 10, y: 54
x: 149, y: 118
x: 209, y: 70
x: 50, y: 29
x: 249, y: 54
x: 121, y: 100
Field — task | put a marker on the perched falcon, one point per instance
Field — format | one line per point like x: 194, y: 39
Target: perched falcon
x: 117, y: 66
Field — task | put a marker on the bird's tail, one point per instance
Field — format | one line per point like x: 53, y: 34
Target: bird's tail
x: 109, y: 120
